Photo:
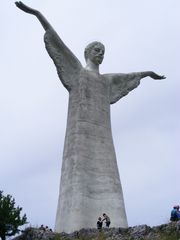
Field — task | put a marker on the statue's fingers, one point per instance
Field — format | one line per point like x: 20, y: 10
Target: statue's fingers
x: 162, y: 77
x: 17, y: 4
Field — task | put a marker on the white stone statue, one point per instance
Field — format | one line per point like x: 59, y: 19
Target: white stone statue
x: 90, y: 183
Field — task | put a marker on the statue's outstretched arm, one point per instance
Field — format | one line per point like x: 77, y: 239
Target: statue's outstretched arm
x: 67, y: 65
x: 121, y: 84
x: 46, y: 25
x: 151, y: 75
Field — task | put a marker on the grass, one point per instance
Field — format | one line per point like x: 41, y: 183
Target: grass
x: 171, y: 236
x: 99, y: 236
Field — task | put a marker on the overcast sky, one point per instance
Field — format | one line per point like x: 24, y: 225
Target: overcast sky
x: 138, y: 35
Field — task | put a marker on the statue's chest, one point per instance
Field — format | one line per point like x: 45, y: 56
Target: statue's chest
x: 89, y: 101
x: 92, y: 86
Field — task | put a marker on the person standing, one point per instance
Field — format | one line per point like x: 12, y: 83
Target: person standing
x: 107, y: 219
x: 178, y: 213
x: 174, y: 214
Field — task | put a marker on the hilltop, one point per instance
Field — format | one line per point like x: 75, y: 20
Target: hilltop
x: 170, y: 231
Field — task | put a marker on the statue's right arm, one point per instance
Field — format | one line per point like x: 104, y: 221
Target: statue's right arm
x: 67, y: 65
x: 46, y: 25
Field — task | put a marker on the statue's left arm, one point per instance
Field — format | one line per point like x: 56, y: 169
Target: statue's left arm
x: 121, y: 84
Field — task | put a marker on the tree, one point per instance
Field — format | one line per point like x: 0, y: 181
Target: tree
x: 10, y: 218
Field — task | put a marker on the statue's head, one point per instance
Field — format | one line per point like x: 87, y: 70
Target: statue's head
x: 94, y: 52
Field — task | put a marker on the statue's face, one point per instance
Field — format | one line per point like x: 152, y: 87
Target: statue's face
x: 96, y: 54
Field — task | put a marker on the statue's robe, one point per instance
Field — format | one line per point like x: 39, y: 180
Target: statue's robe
x: 90, y: 183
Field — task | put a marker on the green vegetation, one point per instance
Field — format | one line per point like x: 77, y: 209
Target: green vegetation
x: 170, y: 236
x: 10, y: 218
x: 99, y: 236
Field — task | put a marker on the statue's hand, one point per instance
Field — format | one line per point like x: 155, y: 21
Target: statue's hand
x: 25, y: 8
x: 156, y: 76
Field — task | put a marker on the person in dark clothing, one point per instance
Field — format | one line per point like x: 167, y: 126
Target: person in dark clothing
x: 99, y: 223
x: 174, y: 214
x: 178, y: 214
x: 107, y: 219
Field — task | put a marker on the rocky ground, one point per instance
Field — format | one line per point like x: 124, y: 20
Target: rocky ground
x: 169, y: 231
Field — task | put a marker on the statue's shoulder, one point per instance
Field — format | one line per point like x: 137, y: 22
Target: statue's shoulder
x: 106, y: 76
x: 114, y: 76
x: 110, y: 76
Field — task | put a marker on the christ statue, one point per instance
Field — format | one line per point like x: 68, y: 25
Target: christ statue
x: 90, y: 183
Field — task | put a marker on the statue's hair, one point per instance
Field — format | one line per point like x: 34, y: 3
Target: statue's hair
x: 89, y: 47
